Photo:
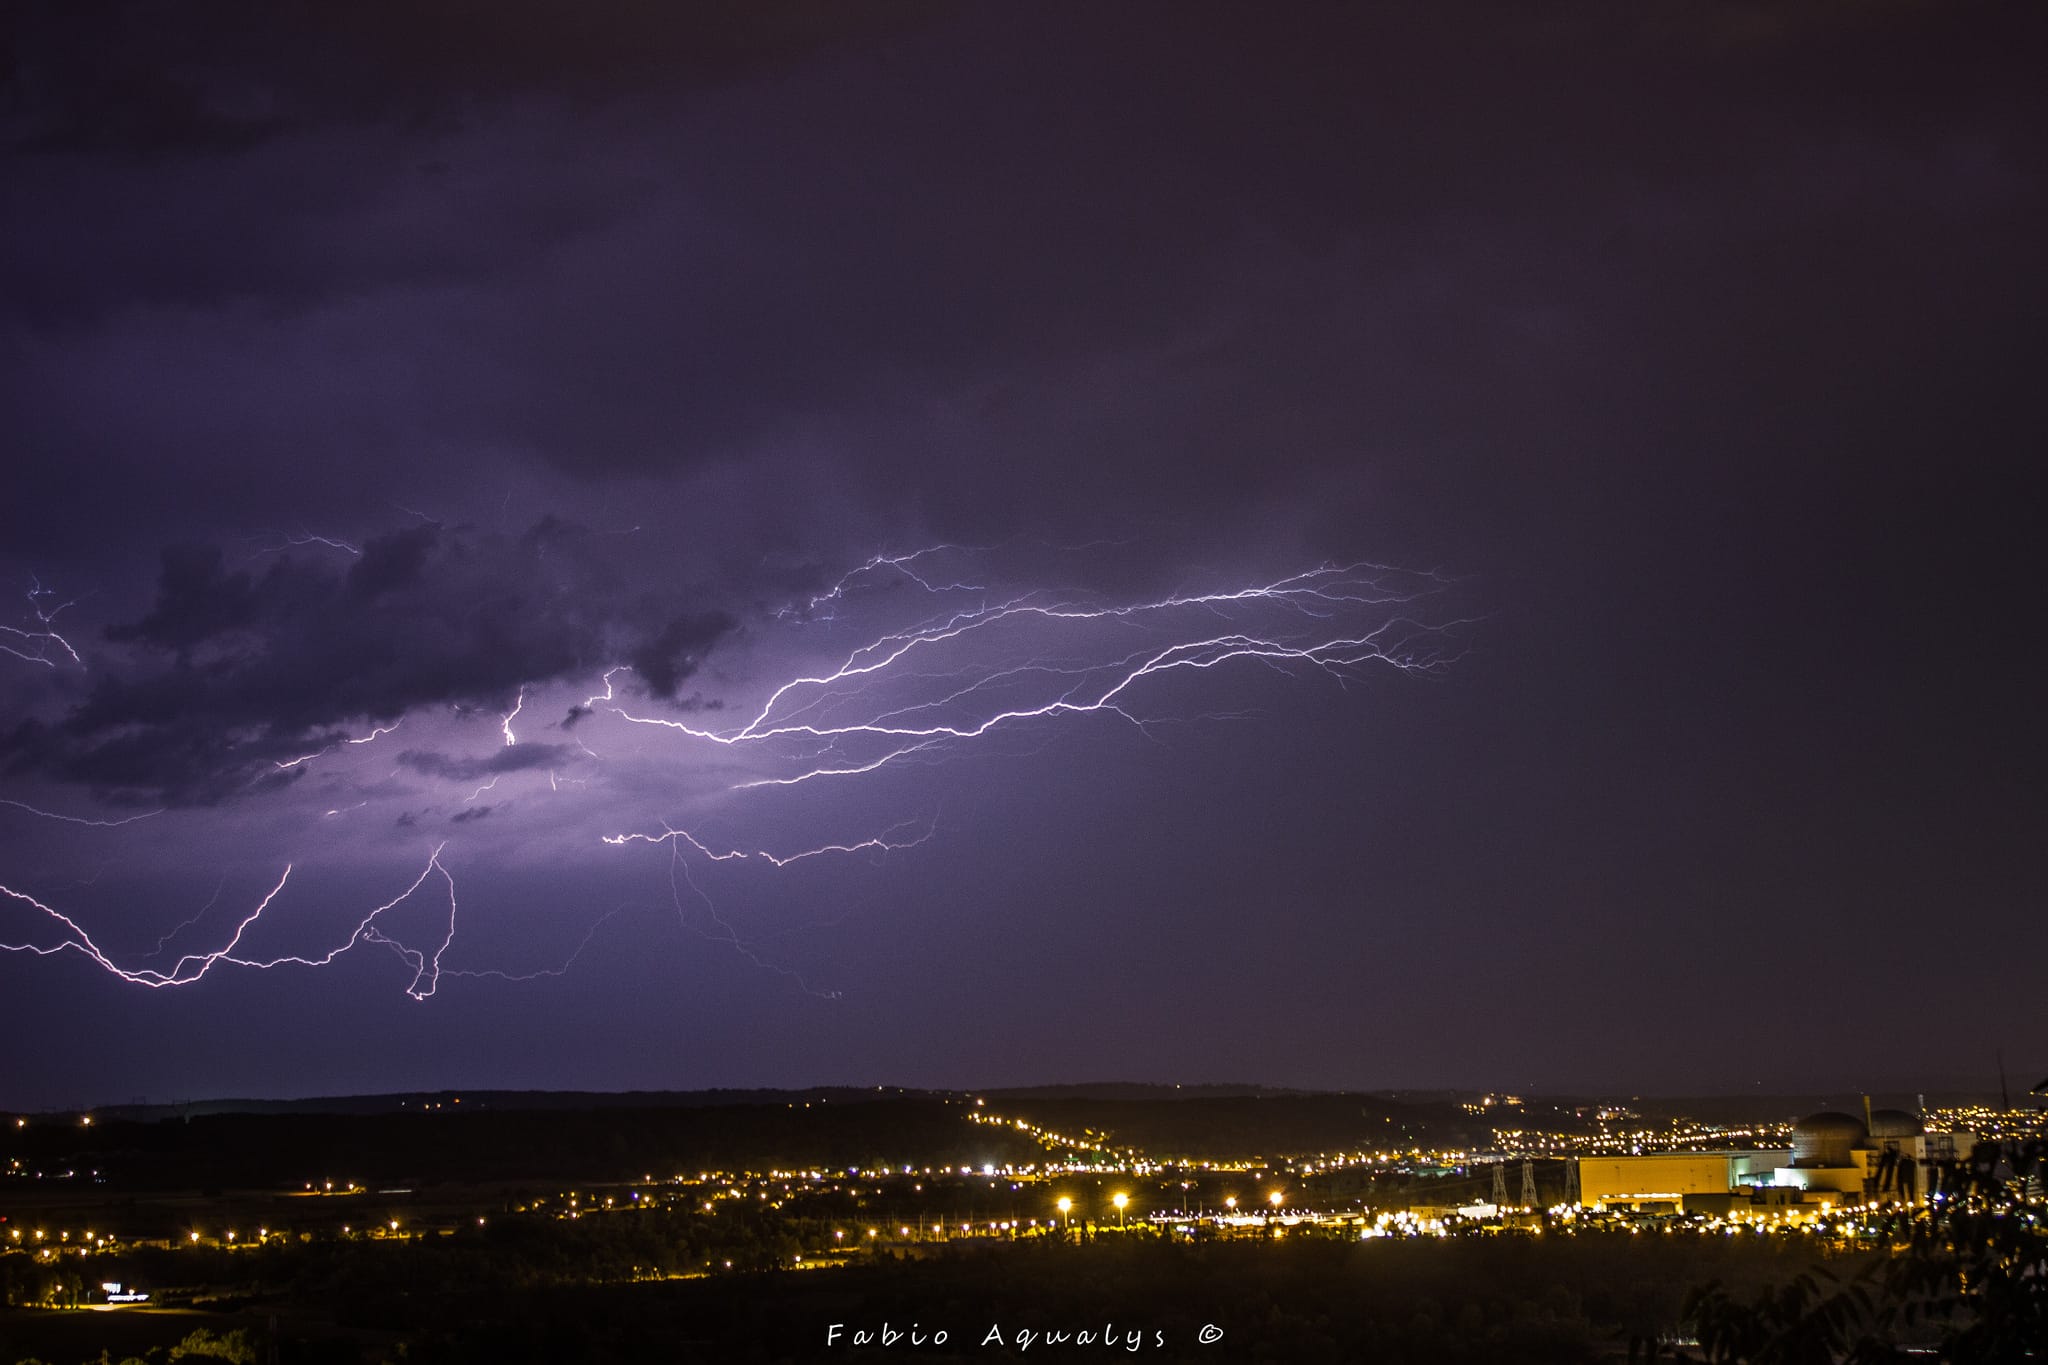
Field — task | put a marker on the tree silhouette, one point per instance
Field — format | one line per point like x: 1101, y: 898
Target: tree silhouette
x: 1968, y: 1274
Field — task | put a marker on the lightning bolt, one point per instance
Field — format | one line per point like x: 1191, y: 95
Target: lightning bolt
x: 883, y: 842
x: 78, y: 819
x: 190, y: 968
x: 493, y: 973
x: 1315, y: 605
x: 889, y: 841
x: 1024, y: 664
x: 375, y: 734
x: 182, y: 973
x: 276, y: 542
x: 36, y: 645
x: 898, y: 564
x: 590, y: 702
x: 197, y: 915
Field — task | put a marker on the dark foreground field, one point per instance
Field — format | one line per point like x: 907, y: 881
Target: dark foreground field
x: 1481, y: 1299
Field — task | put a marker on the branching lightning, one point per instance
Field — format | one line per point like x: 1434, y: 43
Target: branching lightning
x: 1027, y: 663
x: 883, y: 842
x: 378, y: 733
x: 164, y: 939
x: 190, y: 968
x: 78, y: 819
x: 276, y: 542
x: 37, y: 646
x: 899, y: 564
x: 872, y: 699
x: 727, y: 933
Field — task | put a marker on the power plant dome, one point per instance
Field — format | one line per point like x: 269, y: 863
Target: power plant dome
x: 1822, y: 1140
x: 1895, y: 1123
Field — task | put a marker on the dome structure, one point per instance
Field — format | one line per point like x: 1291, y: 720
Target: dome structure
x: 1895, y: 1123
x: 1825, y: 1140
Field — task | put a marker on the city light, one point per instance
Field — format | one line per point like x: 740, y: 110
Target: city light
x: 1432, y: 1192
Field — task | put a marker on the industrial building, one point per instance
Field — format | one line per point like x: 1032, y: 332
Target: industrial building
x: 1663, y: 1182
x: 1835, y: 1159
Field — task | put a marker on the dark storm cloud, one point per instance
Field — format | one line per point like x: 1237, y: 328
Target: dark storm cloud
x: 134, y: 79
x: 1363, y: 221
x: 296, y: 156
x: 675, y: 652
x: 1145, y: 250
x: 237, y: 669
x: 512, y: 759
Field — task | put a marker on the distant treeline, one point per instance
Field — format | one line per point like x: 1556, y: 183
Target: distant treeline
x: 285, y: 1150
x: 475, y: 1143
x: 1211, y: 1127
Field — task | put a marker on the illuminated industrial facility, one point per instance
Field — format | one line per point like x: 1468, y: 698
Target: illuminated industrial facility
x: 1835, y: 1159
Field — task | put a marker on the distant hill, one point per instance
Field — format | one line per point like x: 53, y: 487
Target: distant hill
x: 1198, y: 1125
x: 1135, y: 1090
x: 425, y: 1137
x: 419, y: 1101
x: 620, y: 1140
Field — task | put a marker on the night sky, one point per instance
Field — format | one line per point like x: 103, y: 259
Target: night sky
x: 1559, y: 480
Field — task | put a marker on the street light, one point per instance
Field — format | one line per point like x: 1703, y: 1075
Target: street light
x: 1120, y: 1200
x: 1230, y: 1202
x: 1066, y: 1207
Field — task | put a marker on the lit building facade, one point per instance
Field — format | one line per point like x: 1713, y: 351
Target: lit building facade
x: 1835, y: 1159
x: 1661, y: 1182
